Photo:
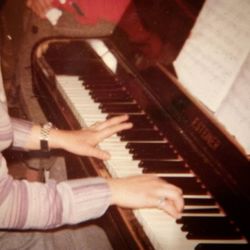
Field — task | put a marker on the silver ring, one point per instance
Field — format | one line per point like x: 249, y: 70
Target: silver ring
x: 161, y: 201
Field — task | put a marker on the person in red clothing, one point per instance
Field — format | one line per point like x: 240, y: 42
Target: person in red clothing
x: 86, y: 12
x: 122, y: 13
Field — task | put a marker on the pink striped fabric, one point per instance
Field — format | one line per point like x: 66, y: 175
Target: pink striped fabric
x: 21, y: 129
x: 36, y: 205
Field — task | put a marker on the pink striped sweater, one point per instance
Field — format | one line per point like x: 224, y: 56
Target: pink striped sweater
x: 36, y: 205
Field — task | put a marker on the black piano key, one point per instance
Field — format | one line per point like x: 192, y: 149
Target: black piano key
x: 120, y: 108
x: 106, y: 77
x: 89, y: 77
x: 98, y: 92
x: 209, y: 228
x: 169, y: 170
x: 111, y: 96
x: 205, y: 219
x: 215, y: 234
x: 221, y: 246
x: 150, y: 156
x: 201, y: 210
x: 189, y: 185
x: 87, y: 73
x: 164, y: 166
x: 110, y: 99
x: 140, y: 121
x: 104, y: 86
x: 151, y: 150
x: 111, y: 81
x: 199, y: 201
x: 97, y: 82
x: 105, y: 93
x: 148, y: 146
x: 169, y: 163
x: 140, y: 135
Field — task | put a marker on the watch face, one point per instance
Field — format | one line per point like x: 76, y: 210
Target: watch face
x: 45, y: 130
x: 44, y: 146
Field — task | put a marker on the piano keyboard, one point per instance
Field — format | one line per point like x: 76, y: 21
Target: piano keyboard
x: 143, y: 149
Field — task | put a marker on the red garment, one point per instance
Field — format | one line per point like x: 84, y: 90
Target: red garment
x: 92, y: 11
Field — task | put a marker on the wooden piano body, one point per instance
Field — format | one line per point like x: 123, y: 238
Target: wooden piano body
x: 196, y: 142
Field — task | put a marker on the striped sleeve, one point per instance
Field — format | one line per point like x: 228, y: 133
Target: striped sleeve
x: 84, y: 199
x: 25, y: 205
x: 21, y: 131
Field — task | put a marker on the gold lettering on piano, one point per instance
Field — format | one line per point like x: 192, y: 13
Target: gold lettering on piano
x: 205, y: 134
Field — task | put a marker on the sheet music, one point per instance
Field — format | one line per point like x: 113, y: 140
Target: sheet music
x: 214, y: 64
x: 215, y: 51
x: 234, y: 111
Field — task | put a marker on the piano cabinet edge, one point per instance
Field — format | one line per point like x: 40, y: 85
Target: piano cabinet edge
x: 119, y: 224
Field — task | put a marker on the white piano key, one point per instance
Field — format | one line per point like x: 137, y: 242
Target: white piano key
x: 176, y: 175
x: 80, y: 99
x: 113, y: 139
x: 203, y: 214
x: 86, y: 110
x: 114, y: 147
x: 200, y: 206
x: 122, y: 157
x: 197, y: 196
x: 125, y: 162
x: 117, y: 143
x: 122, y: 164
x: 126, y: 172
x: 94, y: 117
x: 67, y: 79
x: 125, y: 168
x: 169, y: 234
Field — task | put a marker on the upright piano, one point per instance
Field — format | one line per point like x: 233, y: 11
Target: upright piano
x: 79, y: 81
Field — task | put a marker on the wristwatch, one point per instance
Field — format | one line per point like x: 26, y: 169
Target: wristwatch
x: 44, y: 136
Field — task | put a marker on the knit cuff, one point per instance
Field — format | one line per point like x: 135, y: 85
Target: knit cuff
x: 84, y: 199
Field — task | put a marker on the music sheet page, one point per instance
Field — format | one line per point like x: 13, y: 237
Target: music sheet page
x: 215, y: 51
x: 234, y: 112
x: 214, y: 64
